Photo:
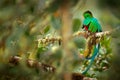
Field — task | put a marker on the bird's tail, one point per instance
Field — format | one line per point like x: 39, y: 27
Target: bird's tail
x: 95, y: 53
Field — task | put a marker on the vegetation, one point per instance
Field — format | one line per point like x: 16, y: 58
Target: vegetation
x: 41, y: 40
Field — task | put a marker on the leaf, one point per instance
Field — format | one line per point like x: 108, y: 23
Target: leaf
x: 54, y: 5
x: 47, y: 29
x: 79, y: 42
x: 40, y: 51
x: 55, y: 22
x: 76, y: 25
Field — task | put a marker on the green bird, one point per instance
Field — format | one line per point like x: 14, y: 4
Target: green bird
x: 91, y: 25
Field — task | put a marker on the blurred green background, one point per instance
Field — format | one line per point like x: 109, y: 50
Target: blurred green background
x: 22, y: 22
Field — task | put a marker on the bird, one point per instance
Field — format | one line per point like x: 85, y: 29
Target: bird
x: 91, y: 26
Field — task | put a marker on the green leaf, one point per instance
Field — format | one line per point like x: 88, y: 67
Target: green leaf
x: 40, y: 51
x: 55, y: 22
x: 76, y: 25
x: 47, y: 29
x: 79, y: 42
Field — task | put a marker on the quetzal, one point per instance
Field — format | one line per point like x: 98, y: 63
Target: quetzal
x: 91, y: 26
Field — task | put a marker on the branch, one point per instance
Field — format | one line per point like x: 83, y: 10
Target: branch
x: 48, y: 40
x: 15, y: 60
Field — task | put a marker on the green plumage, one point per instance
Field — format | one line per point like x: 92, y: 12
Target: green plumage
x: 91, y: 24
x: 94, y: 24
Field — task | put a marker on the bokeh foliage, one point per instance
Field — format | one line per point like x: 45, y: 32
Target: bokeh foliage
x: 23, y: 22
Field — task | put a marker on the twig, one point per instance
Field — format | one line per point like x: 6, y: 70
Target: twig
x: 15, y: 60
